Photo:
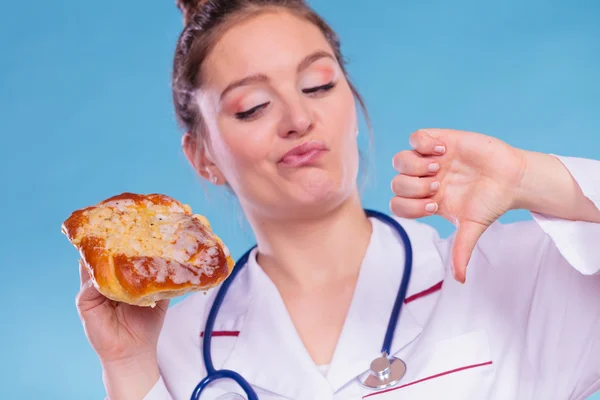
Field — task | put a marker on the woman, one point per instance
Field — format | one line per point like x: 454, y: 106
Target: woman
x: 261, y: 90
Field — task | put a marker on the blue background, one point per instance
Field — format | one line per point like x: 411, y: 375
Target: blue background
x: 82, y: 83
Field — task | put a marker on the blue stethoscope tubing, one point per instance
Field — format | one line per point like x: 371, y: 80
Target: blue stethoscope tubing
x: 213, y: 374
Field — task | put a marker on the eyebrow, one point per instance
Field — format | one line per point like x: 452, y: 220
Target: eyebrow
x: 261, y: 78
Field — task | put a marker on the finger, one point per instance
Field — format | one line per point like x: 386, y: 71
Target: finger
x: 84, y: 274
x: 162, y: 306
x: 411, y: 163
x: 464, y: 243
x: 414, y: 187
x: 413, y: 208
x: 424, y: 143
x: 88, y: 296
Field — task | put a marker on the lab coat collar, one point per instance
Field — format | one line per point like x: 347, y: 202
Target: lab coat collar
x: 362, y: 337
x: 269, y: 352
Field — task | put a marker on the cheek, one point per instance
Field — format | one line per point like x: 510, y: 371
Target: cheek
x: 237, y: 147
x: 341, y: 115
x: 351, y: 117
x: 350, y: 108
x: 244, y: 146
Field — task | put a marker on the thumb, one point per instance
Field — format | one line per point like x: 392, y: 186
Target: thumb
x: 466, y: 238
x: 84, y: 274
x: 162, y: 306
x: 88, y: 296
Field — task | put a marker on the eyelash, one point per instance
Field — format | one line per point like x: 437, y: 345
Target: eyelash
x: 249, y: 114
x: 252, y: 113
x: 322, y: 88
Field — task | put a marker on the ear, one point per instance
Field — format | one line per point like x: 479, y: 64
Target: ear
x: 199, y: 157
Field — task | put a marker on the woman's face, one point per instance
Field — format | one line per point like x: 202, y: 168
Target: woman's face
x: 272, y: 84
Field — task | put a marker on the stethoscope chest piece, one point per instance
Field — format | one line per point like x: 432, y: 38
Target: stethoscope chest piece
x: 384, y: 372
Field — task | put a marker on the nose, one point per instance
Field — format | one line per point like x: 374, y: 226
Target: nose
x: 297, y: 120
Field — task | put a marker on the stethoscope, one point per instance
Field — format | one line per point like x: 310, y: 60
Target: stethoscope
x: 384, y: 371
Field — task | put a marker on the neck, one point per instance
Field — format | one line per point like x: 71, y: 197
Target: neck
x: 313, y: 252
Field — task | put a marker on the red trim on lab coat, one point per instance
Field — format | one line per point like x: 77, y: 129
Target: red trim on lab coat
x: 414, y: 297
x: 430, y: 377
x: 223, y: 333
x: 424, y: 293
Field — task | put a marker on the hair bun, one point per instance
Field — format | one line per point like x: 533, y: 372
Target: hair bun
x: 189, y: 8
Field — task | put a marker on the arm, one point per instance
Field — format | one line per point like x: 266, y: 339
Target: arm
x: 124, y: 338
x: 562, y: 335
x: 133, y: 379
x: 549, y: 188
x: 542, y: 269
x: 563, y: 193
x: 159, y: 391
x: 479, y: 178
x: 560, y: 284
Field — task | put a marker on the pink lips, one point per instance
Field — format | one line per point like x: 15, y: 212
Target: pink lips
x: 303, y: 154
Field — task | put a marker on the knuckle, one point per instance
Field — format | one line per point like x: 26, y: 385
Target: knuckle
x: 400, y: 161
x: 403, y: 208
x: 422, y: 142
x: 393, y: 184
x: 402, y: 154
x: 408, y: 186
x: 418, y: 139
x: 82, y: 296
x: 395, y: 208
x: 424, y: 167
x: 421, y: 137
x: 424, y: 187
x: 397, y: 184
x: 78, y: 301
x: 416, y: 187
x: 395, y: 203
x: 413, y: 138
x: 79, y: 295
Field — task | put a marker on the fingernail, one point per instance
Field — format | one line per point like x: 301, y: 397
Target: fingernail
x: 431, y: 207
x: 434, y: 186
x: 433, y: 167
x: 411, y: 142
x: 439, y: 149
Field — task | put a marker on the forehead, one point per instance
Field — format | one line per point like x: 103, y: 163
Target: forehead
x: 269, y: 43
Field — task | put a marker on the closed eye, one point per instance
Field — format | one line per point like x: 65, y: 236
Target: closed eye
x: 249, y: 114
x: 322, y: 88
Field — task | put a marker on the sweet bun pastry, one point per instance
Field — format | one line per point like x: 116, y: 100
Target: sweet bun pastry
x: 139, y: 249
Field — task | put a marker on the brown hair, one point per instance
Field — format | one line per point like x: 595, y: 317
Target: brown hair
x: 204, y: 21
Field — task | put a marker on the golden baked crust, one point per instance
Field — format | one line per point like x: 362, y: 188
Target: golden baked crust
x: 140, y: 249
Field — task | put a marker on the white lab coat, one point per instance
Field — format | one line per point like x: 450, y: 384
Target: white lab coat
x: 526, y: 325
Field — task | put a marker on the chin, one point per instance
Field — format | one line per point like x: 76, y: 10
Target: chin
x: 320, y: 192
